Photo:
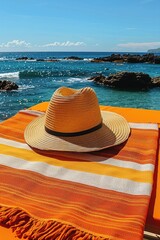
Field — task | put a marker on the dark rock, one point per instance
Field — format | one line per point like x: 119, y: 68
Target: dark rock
x: 8, y: 85
x: 98, y: 79
x: 155, y: 82
x: 125, y: 80
x: 134, y: 59
x: 24, y: 59
x: 40, y: 60
x: 148, y: 58
x: 157, y: 60
x: 47, y: 60
x: 129, y: 80
x: 118, y: 61
x: 101, y: 59
x: 73, y: 58
x: 129, y: 58
x: 52, y: 60
x: 115, y: 57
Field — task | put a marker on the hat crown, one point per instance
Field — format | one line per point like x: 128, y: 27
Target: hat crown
x: 72, y: 110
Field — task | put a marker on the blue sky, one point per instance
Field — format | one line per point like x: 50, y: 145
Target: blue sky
x: 79, y: 25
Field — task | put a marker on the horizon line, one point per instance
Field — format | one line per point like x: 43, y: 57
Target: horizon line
x: 76, y: 51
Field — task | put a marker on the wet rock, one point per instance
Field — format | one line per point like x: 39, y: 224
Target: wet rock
x: 73, y: 58
x: 125, y: 80
x: 52, y: 60
x: 24, y: 59
x: 40, y: 60
x: 157, y: 60
x: 98, y: 79
x: 129, y: 58
x: 101, y: 59
x: 8, y: 85
x: 155, y: 82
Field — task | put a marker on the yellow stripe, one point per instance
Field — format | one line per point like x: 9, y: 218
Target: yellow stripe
x: 89, y: 167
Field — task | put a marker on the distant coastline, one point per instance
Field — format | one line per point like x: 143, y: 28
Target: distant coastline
x: 157, y: 50
x: 109, y: 57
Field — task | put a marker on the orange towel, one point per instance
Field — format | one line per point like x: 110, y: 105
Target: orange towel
x: 102, y: 195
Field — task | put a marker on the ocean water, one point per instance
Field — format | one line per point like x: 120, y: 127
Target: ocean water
x: 38, y: 80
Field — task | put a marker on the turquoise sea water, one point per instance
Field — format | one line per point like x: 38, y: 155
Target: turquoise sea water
x: 38, y: 80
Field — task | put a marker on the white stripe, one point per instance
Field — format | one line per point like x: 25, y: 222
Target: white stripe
x: 32, y: 112
x: 95, y: 180
x: 13, y: 143
x: 127, y: 164
x: 151, y: 126
x: 87, y: 157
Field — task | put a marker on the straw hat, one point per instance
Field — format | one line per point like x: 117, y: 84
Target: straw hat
x: 74, y: 122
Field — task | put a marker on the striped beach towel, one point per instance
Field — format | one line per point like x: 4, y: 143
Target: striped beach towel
x: 58, y: 195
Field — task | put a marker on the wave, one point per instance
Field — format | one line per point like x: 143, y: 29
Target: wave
x: 55, y: 73
x: 73, y: 79
x: 45, y: 59
x: 73, y: 75
x: 3, y: 59
x: 88, y: 59
x: 23, y: 87
x: 11, y: 75
x: 7, y: 59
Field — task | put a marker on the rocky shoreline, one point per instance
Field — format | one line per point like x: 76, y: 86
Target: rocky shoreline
x: 119, y: 80
x: 48, y: 59
x: 37, y: 60
x: 129, y: 58
x: 116, y: 58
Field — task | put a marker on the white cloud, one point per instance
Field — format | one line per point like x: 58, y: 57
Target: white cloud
x: 23, y: 45
x: 143, y: 45
x: 64, y: 44
x: 15, y: 43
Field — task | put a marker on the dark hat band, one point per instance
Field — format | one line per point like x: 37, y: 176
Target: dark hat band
x: 73, y: 134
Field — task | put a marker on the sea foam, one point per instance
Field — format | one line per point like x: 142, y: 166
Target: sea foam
x: 10, y: 75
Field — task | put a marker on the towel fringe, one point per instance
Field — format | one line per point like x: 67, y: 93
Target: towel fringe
x: 27, y: 227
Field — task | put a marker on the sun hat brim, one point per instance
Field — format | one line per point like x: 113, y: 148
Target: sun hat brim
x: 115, y: 130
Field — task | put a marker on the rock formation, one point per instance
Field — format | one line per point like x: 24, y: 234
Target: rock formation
x: 128, y: 81
x: 129, y: 58
x: 155, y: 81
x: 8, y: 85
x: 24, y: 59
x: 73, y: 58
